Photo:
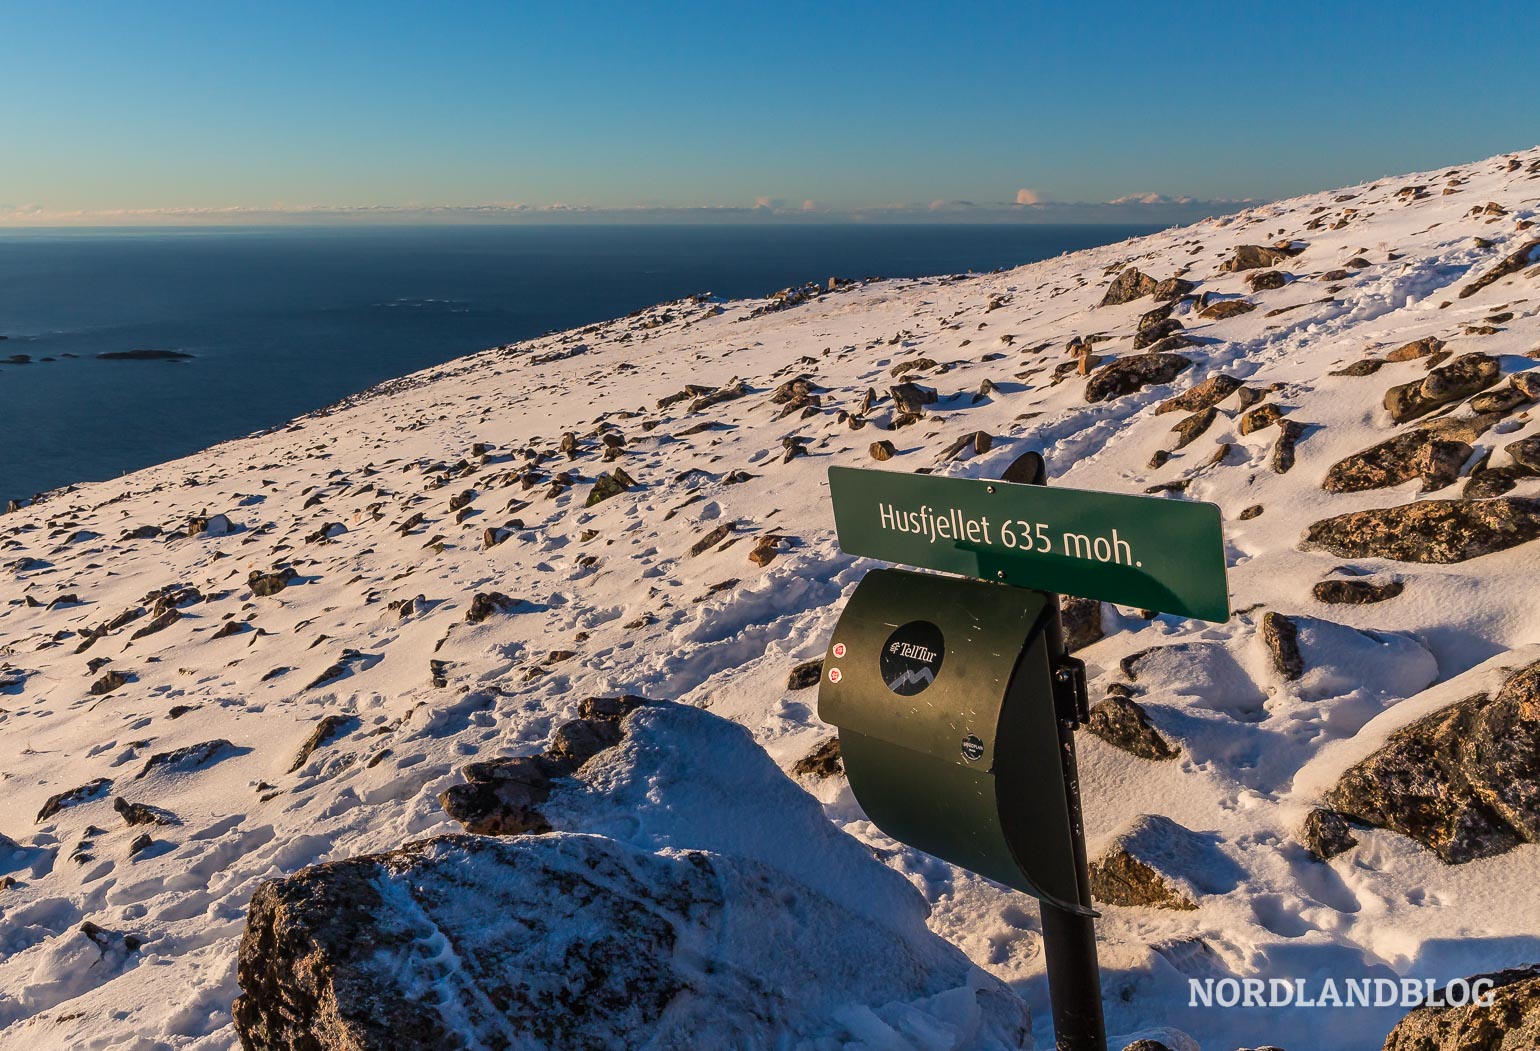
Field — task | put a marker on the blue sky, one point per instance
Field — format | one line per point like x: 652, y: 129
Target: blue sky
x: 164, y: 112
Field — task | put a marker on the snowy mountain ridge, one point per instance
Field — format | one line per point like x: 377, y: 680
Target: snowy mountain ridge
x: 287, y: 647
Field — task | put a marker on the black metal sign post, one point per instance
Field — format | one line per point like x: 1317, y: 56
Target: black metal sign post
x: 956, y: 706
x: 1069, y: 937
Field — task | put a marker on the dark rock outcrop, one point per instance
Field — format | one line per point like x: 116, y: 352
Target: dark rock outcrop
x: 187, y: 758
x: 1281, y: 638
x: 805, y: 675
x: 502, y: 797
x: 1210, y: 392
x: 84, y: 794
x: 1354, y: 591
x: 1253, y: 257
x: 1326, y: 834
x: 1465, y: 375
x: 711, y: 539
x: 1132, y: 374
x: 265, y: 585
x: 1259, y: 418
x: 1511, y: 264
x: 1123, y: 723
x: 113, y: 680
x: 1284, y: 449
x: 822, y: 762
x: 320, y: 959
x: 328, y: 729
x: 607, y: 485
x: 974, y: 443
x: 1430, y: 531
x: 1154, y: 329
x: 656, y: 923
x: 1434, y: 452
x: 1172, y: 288
x: 486, y: 604
x: 1463, y: 781
x: 1191, y: 428
x: 1510, y: 1022
x: 1082, y: 620
x: 911, y: 398
x: 1128, y: 286
x: 141, y: 813
x: 1226, y: 308
x: 1417, y: 348
x: 1130, y: 872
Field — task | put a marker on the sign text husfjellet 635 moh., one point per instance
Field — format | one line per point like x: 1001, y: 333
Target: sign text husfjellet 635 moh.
x: 1012, y: 534
x: 1149, y: 552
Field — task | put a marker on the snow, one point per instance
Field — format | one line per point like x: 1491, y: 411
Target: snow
x: 637, y: 610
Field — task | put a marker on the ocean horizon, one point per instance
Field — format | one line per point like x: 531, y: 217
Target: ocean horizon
x: 269, y: 323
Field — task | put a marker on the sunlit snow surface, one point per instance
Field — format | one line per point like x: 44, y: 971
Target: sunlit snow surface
x: 1256, y: 752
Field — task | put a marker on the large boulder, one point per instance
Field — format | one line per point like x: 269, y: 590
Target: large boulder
x: 577, y: 941
x: 1509, y: 1022
x: 1158, y: 863
x: 1465, y: 375
x: 1433, y: 453
x: 1172, y: 288
x: 1226, y: 308
x: 1511, y: 264
x: 1127, y: 287
x: 1463, y: 781
x: 1254, y: 257
x: 1131, y: 374
x: 1154, y: 330
x: 1430, y: 531
x: 1204, y: 395
x: 662, y: 908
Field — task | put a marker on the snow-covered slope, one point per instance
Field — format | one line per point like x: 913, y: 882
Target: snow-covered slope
x: 367, y: 502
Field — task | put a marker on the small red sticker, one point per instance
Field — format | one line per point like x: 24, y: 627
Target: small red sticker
x: 834, y: 675
x: 839, y: 649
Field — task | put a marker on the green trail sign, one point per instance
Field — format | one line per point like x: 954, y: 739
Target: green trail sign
x: 1141, y: 551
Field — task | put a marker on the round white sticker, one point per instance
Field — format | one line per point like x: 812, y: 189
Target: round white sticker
x: 839, y: 649
x: 834, y: 675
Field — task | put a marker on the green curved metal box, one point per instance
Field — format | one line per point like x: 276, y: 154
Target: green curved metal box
x: 943, y: 690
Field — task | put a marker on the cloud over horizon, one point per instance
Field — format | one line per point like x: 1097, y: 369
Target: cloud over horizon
x: 1029, y: 206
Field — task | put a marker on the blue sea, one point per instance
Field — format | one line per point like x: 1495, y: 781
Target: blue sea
x: 280, y: 321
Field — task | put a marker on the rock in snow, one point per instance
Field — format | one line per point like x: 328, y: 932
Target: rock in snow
x: 1128, y: 375
x: 1511, y: 1022
x: 1464, y: 781
x: 1123, y: 723
x: 1131, y: 871
x: 679, y: 927
x: 1437, y: 531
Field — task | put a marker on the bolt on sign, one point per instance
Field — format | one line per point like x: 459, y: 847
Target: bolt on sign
x: 1147, y: 552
